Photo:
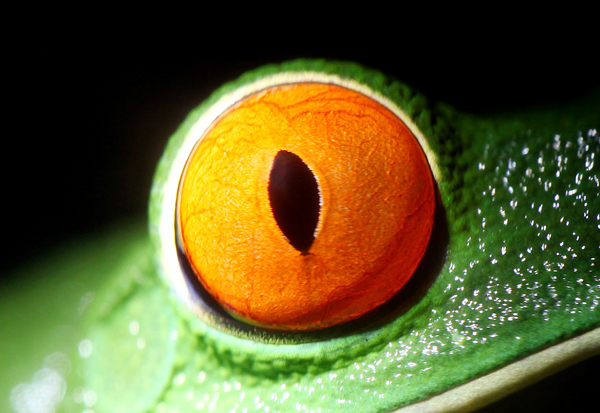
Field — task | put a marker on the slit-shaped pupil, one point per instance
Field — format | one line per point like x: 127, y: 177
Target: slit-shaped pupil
x: 294, y: 197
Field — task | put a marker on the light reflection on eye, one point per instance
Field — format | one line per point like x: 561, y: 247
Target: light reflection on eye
x: 47, y: 388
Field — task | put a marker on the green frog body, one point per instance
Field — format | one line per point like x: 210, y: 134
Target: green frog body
x: 507, y: 292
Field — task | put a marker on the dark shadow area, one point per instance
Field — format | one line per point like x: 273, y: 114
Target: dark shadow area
x: 574, y: 389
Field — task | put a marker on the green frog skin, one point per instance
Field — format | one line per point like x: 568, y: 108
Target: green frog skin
x: 509, y: 293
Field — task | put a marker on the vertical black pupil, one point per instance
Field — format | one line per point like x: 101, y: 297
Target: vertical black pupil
x: 294, y: 197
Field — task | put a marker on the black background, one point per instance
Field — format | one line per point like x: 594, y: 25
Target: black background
x: 91, y: 97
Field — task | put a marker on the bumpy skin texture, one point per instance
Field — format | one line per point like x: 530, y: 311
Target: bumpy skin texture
x: 520, y: 224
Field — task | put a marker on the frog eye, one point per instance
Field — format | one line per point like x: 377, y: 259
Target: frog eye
x: 303, y: 205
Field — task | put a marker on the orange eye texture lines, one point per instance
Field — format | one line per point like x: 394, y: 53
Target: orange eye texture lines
x: 305, y: 206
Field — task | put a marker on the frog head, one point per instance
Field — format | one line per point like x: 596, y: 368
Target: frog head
x: 506, y: 291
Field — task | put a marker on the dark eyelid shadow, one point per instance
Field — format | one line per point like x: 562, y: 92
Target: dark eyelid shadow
x: 426, y: 273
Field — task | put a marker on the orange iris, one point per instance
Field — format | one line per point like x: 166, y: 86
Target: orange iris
x: 375, y: 204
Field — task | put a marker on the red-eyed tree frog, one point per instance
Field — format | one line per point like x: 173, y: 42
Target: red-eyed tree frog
x: 504, y: 289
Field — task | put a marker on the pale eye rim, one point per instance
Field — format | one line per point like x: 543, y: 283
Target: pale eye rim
x: 170, y: 260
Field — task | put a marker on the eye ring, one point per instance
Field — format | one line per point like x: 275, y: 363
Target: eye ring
x: 171, y: 254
